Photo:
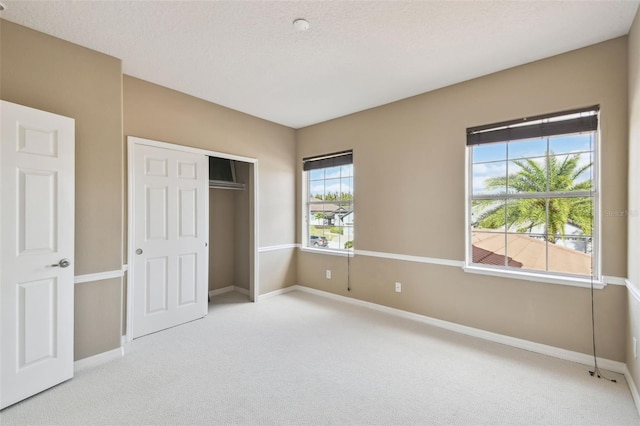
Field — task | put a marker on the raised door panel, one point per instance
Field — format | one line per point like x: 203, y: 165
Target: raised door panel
x: 157, y: 290
x: 156, y: 210
x: 37, y: 322
x: 187, y: 212
x: 37, y: 221
x: 187, y: 279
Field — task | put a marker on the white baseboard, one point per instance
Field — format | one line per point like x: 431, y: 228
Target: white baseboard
x: 95, y: 360
x: 241, y: 290
x: 586, y: 359
x: 278, y: 292
x: 228, y: 289
x: 220, y: 291
x: 632, y: 387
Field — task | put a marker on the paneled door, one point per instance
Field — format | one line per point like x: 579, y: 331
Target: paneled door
x: 36, y: 251
x: 170, y: 236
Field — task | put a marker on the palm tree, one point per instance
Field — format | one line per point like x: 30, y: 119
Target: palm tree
x: 523, y: 214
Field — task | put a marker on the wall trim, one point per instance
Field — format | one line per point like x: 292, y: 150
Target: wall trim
x: 633, y: 290
x: 614, y: 280
x: 581, y: 358
x: 220, y: 291
x: 410, y: 258
x: 278, y: 247
x: 241, y: 290
x: 278, y: 292
x: 99, y: 359
x: 606, y: 279
x: 228, y: 289
x: 632, y: 387
x: 99, y: 276
x: 537, y: 277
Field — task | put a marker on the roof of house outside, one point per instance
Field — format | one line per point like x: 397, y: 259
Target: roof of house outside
x: 327, y: 206
x: 528, y: 253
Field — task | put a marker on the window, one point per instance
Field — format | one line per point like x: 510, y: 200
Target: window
x: 533, y: 194
x: 329, y: 201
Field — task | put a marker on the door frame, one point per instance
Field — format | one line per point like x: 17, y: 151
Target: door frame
x: 253, y: 216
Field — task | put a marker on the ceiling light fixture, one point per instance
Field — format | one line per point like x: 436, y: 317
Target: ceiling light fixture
x: 301, y: 24
x: 2, y: 7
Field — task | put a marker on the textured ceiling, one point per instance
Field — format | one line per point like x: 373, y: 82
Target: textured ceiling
x: 246, y: 55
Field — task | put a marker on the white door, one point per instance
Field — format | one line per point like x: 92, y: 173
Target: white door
x: 36, y: 251
x: 170, y: 235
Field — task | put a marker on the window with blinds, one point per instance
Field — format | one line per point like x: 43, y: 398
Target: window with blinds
x: 329, y: 215
x: 533, y: 194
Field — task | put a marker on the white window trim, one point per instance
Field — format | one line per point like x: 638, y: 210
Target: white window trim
x: 529, y: 275
x: 330, y: 252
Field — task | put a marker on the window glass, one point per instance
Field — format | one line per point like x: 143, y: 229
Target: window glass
x: 528, y: 148
x: 532, y: 204
x: 489, y: 178
x: 490, y: 152
x: 570, y: 143
x: 329, y: 213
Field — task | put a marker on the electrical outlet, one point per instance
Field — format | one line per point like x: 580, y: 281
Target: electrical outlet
x: 398, y: 287
x: 328, y: 274
x: 635, y: 348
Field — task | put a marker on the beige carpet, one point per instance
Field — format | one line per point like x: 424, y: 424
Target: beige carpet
x: 301, y: 359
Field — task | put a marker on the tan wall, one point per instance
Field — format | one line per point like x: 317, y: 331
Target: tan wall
x: 633, y: 329
x: 229, y: 224
x: 94, y: 308
x: 222, y: 239
x: 277, y: 267
x: 49, y: 74
x: 409, y: 165
x: 161, y: 114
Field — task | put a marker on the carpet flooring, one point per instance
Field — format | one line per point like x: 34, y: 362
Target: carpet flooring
x: 301, y: 359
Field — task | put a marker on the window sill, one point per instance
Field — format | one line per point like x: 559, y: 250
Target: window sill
x: 532, y: 276
x: 330, y: 252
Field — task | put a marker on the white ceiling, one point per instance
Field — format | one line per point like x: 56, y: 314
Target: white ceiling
x: 246, y: 55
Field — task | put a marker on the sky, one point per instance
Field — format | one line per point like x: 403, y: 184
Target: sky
x: 492, y: 160
x: 333, y: 179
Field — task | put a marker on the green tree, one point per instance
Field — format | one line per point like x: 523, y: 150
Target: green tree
x: 526, y: 213
x: 334, y: 196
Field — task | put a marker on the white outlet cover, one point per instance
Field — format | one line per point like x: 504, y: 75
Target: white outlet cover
x: 328, y: 274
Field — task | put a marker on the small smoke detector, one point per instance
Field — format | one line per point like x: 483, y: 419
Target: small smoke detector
x: 301, y: 24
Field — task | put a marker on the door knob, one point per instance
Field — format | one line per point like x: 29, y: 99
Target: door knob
x: 139, y: 251
x: 63, y: 263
